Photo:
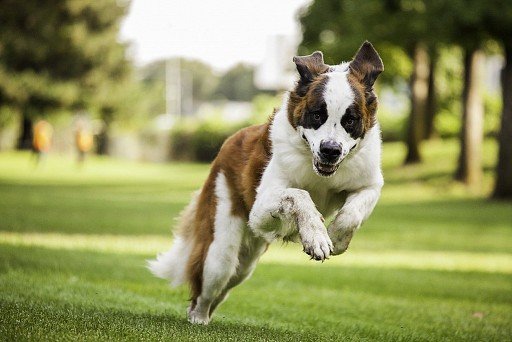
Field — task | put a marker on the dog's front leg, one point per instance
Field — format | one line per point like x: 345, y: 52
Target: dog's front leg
x: 357, y: 208
x: 278, y: 212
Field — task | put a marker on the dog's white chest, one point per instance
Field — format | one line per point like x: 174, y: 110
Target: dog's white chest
x: 327, y: 193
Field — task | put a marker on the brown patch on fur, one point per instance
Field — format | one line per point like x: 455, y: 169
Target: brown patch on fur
x: 202, y: 234
x: 242, y: 159
x: 365, y: 67
x: 309, y: 68
x: 365, y: 101
x: 298, y: 105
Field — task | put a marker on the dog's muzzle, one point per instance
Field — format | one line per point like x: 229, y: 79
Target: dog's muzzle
x: 328, y: 160
x: 330, y: 151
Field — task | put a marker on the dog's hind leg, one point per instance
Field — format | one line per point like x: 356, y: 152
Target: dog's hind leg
x: 251, y: 250
x: 221, y: 260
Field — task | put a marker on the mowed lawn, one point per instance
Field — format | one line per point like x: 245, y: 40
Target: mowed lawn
x: 434, y: 262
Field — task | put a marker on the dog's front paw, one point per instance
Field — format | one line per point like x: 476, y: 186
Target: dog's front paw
x: 315, y: 240
x: 342, y: 229
x: 341, y: 240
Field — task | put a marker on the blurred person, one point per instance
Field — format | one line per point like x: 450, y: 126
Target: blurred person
x: 83, y: 140
x: 42, y: 140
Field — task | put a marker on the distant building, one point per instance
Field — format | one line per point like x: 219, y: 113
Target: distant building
x: 277, y: 70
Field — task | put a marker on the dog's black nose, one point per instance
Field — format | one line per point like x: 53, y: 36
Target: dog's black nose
x: 330, y: 150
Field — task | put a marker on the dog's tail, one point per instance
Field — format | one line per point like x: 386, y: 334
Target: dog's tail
x: 172, y: 264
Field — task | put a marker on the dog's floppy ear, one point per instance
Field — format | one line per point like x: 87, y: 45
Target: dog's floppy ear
x: 309, y: 67
x: 366, y: 65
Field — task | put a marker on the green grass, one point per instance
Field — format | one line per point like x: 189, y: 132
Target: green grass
x: 434, y: 262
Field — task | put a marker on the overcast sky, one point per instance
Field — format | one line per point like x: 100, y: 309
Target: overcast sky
x: 221, y: 32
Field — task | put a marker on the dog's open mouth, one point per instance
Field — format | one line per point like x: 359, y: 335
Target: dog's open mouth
x: 323, y: 169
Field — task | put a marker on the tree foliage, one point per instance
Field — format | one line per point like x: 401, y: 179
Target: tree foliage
x: 204, y: 80
x: 57, y: 54
x: 339, y: 27
x: 237, y: 84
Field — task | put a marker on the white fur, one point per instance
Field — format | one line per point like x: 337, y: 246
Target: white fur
x: 171, y: 264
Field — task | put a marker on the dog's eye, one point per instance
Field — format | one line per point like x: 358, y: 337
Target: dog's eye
x: 350, y: 121
x: 314, y: 117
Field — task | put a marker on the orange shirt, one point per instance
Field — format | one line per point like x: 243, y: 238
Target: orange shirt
x: 84, y: 140
x: 42, y: 136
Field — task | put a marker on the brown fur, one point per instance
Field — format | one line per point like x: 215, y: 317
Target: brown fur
x: 310, y: 66
x: 364, y: 70
x: 364, y: 100
x: 309, y: 86
x: 297, y: 105
x: 242, y: 159
x: 202, y: 234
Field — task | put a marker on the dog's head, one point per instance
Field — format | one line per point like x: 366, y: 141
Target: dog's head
x: 332, y: 107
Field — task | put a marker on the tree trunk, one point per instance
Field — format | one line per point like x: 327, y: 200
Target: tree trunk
x: 419, y: 92
x: 469, y: 169
x: 25, y: 134
x: 503, y: 187
x: 102, y: 141
x: 431, y: 98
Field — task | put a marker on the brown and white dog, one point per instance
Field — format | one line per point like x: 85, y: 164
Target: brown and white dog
x: 318, y: 155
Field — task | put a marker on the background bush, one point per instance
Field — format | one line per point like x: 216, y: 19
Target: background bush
x: 197, y: 139
x: 201, y: 140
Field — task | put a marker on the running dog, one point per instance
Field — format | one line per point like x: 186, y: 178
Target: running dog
x: 318, y: 155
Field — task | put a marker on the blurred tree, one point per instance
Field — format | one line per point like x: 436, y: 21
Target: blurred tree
x: 431, y: 106
x: 469, y: 169
x: 237, y: 84
x: 503, y: 187
x: 497, y: 21
x: 460, y: 22
x: 108, y: 87
x: 338, y: 28
x: 204, y: 80
x: 55, y: 53
x: 449, y: 85
x: 419, y: 101
x: 411, y: 29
